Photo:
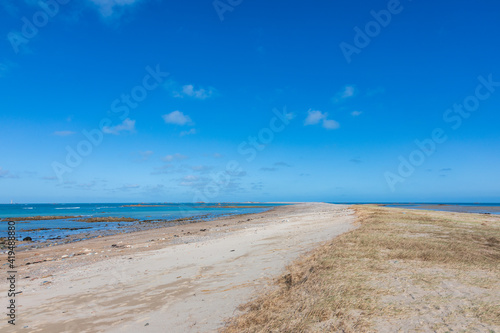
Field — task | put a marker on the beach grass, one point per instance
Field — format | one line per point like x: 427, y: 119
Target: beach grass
x: 400, y: 268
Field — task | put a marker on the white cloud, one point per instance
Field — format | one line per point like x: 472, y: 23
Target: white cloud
x: 177, y: 118
x: 314, y: 117
x: 126, y: 126
x: 64, y: 133
x: 190, y: 180
x: 356, y: 113
x: 177, y: 156
x: 108, y: 8
x: 346, y: 92
x: 330, y: 124
x: 191, y: 131
x: 188, y: 90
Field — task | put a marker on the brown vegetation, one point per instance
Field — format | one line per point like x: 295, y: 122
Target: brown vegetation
x: 416, y: 270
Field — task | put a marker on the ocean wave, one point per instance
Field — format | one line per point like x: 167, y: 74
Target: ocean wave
x: 27, y: 207
x: 68, y: 208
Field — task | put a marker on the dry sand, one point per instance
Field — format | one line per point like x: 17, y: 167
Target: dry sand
x: 180, y: 279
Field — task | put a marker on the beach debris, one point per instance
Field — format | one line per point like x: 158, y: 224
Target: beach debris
x: 288, y: 280
x: 203, y: 229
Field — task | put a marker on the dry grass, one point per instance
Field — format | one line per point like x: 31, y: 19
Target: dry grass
x: 362, y: 280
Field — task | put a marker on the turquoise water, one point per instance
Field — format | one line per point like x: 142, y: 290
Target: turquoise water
x: 60, y: 228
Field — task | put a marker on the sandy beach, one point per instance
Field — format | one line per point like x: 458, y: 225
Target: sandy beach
x: 187, y: 278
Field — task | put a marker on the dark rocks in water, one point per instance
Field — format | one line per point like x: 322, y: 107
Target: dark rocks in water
x: 109, y: 219
x: 37, y: 218
x: 37, y: 229
x: 27, y: 239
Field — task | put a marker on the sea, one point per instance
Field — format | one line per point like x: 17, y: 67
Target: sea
x: 155, y: 214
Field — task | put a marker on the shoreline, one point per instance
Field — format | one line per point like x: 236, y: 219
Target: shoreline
x: 188, y: 278
x: 120, y: 225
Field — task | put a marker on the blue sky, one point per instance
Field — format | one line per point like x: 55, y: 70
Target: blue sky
x: 341, y: 101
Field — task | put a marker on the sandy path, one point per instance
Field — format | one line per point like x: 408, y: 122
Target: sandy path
x: 188, y: 287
